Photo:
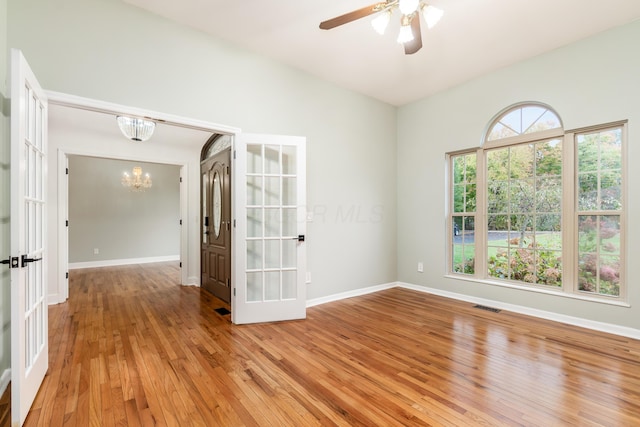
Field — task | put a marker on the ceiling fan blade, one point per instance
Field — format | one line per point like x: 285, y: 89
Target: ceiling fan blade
x: 352, y: 16
x: 416, y: 44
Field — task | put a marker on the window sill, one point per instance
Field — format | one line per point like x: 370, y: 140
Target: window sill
x: 539, y: 290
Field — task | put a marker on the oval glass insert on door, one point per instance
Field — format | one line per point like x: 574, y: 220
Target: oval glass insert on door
x: 217, y: 204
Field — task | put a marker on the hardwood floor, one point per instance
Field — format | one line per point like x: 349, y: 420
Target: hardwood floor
x: 131, y: 347
x: 5, y: 407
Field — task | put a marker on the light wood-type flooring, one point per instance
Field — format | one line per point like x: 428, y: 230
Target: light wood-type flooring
x: 131, y: 347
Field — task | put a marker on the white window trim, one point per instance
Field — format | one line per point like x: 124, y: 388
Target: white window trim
x: 569, y: 219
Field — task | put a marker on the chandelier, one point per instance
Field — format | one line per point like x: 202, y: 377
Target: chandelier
x: 136, y: 129
x: 410, y: 11
x: 136, y: 182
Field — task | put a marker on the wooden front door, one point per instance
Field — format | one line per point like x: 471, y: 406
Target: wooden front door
x: 216, y: 225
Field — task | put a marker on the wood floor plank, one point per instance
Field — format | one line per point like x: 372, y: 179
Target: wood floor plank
x: 131, y: 347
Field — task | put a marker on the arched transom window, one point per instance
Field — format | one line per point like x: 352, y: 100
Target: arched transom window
x: 523, y: 119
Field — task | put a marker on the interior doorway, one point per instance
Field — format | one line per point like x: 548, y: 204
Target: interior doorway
x: 215, y: 201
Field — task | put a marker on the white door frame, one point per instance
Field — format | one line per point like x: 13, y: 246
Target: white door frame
x: 63, y: 212
x: 72, y: 101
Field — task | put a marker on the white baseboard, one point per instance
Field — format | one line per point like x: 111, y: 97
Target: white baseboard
x: 54, y: 299
x: 193, y: 281
x: 556, y: 317
x: 126, y: 261
x: 5, y: 378
x: 350, y: 294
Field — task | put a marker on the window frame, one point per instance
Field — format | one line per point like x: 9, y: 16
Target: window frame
x: 569, y: 209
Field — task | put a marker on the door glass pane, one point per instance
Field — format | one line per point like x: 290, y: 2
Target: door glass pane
x: 254, y: 159
x: 254, y: 222
x: 289, y: 160
x: 220, y: 144
x: 272, y: 285
x: 272, y: 253
x: 289, y: 279
x: 289, y: 258
x: 254, y: 287
x: 272, y: 159
x: 272, y: 191
x: 289, y: 191
x: 289, y: 222
x: 217, y: 203
x: 254, y: 190
x: 272, y: 222
x: 254, y: 254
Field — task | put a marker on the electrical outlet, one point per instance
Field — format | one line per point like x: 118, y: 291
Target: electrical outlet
x: 420, y: 267
x: 96, y: 251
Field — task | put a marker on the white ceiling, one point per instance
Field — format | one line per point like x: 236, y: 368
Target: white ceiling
x: 474, y: 37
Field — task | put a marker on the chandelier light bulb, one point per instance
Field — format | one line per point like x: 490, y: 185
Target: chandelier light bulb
x: 380, y: 22
x: 432, y: 15
x: 136, y: 182
x: 407, y: 7
x: 405, y: 35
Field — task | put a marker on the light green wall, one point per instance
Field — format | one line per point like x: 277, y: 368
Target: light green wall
x: 5, y: 283
x: 591, y: 82
x: 111, y: 51
x: 120, y: 223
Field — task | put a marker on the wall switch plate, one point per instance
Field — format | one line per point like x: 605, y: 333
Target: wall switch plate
x: 96, y: 251
x: 420, y: 267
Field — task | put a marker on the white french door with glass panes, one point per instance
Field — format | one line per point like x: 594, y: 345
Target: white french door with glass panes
x: 270, y: 217
x: 29, y: 316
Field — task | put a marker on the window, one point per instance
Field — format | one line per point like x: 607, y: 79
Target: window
x: 599, y: 214
x: 539, y: 207
x: 464, y: 209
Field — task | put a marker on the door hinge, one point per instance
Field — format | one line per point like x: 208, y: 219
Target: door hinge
x: 234, y: 292
x: 227, y: 170
x: 66, y: 223
x: 228, y: 281
x: 67, y: 171
x: 180, y: 264
x: 234, y: 223
x: 180, y: 179
x: 67, y: 275
x: 180, y: 222
x: 14, y: 262
x: 234, y: 154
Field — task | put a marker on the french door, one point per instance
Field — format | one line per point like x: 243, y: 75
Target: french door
x: 270, y: 213
x: 29, y: 316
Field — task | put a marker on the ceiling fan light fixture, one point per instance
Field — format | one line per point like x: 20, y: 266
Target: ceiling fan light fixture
x: 407, y: 7
x: 380, y: 22
x: 431, y: 15
x: 136, y: 129
x: 405, y: 35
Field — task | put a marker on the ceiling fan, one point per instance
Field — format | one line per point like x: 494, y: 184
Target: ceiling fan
x: 410, y: 35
